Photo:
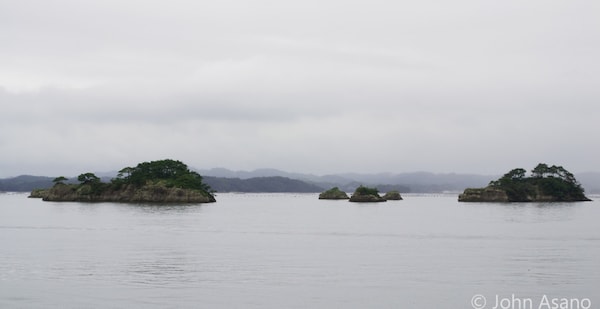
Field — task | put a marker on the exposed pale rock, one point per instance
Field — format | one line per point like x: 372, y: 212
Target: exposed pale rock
x: 483, y: 195
x: 144, y: 194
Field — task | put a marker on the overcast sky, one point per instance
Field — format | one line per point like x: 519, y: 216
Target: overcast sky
x: 312, y: 86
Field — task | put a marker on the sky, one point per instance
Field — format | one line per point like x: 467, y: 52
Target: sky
x: 319, y: 87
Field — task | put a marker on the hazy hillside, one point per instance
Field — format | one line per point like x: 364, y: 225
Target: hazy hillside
x: 220, y: 184
x: 260, y: 184
x: 417, y: 182
x: 272, y: 180
x: 25, y: 183
x: 420, y: 182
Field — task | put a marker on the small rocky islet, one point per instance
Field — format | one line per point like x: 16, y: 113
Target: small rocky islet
x: 545, y: 184
x: 333, y: 194
x: 392, y: 196
x: 362, y: 194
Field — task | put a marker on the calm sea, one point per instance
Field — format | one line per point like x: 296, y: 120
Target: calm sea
x: 295, y: 251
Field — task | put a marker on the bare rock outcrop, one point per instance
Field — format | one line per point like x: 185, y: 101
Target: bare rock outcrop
x: 483, y: 195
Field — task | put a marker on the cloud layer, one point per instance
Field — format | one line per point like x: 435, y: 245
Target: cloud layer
x: 317, y: 86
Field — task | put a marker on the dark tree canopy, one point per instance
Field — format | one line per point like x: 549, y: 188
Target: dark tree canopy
x: 362, y: 190
x: 155, y: 181
x: 60, y: 180
x: 172, y: 173
x: 88, y: 178
x: 550, y: 180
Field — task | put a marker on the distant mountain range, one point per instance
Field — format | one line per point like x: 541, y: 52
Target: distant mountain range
x: 416, y: 182
x: 260, y: 184
x: 419, y: 182
x: 25, y: 183
x: 273, y: 180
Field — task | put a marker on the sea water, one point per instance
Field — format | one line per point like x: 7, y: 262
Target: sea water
x: 296, y: 251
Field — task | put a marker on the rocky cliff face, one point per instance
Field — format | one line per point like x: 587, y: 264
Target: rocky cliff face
x: 490, y: 194
x: 130, y: 194
x: 483, y: 195
x: 366, y: 198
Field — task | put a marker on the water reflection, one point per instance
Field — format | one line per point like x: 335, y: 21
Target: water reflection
x: 292, y: 251
x: 165, y: 208
x: 533, y: 212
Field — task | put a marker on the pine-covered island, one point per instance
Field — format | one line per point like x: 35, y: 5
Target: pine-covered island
x: 545, y: 184
x: 364, y: 194
x: 163, y: 181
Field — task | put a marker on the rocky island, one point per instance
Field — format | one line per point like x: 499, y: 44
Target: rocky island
x: 546, y: 184
x: 392, y: 196
x: 366, y: 195
x: 164, y: 181
x: 333, y: 194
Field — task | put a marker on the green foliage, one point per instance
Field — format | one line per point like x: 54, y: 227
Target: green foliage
x: 514, y: 176
x: 362, y: 190
x: 59, y: 180
x: 540, y: 170
x: 190, y: 180
x: 90, y: 184
x: 544, y: 171
x: 552, y: 181
x: 159, y: 175
x: 88, y: 178
x: 560, y: 188
x: 171, y: 173
x: 125, y: 172
x: 334, y: 194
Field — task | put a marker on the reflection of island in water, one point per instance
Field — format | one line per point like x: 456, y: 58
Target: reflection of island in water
x: 546, y: 184
x: 164, y: 181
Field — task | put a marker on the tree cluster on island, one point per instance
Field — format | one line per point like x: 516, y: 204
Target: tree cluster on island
x: 546, y: 184
x: 156, y: 181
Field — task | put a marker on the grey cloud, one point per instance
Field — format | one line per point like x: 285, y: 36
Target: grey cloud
x: 458, y: 86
